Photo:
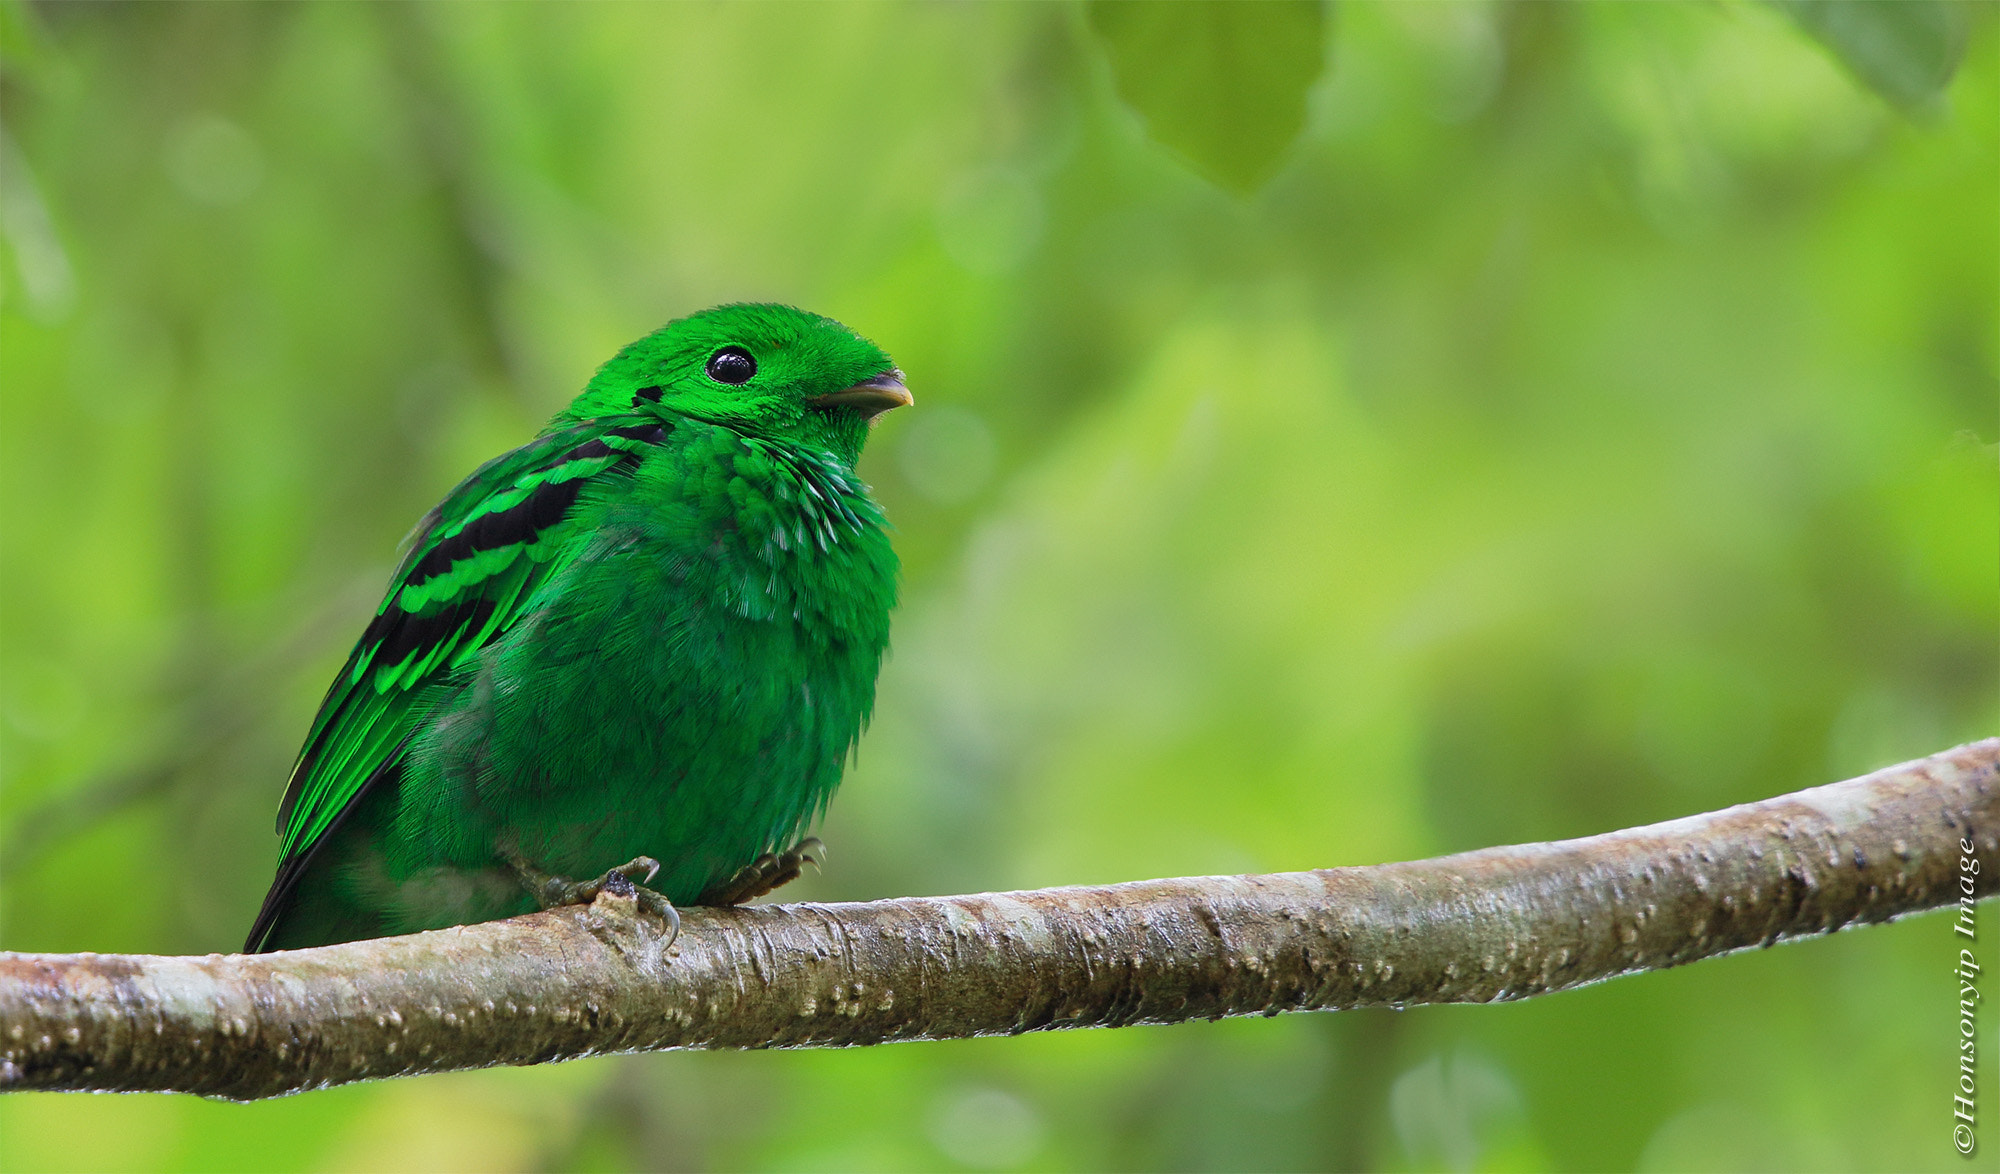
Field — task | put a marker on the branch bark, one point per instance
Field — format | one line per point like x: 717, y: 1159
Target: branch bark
x: 1487, y: 926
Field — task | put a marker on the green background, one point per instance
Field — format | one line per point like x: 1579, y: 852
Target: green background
x: 1522, y: 422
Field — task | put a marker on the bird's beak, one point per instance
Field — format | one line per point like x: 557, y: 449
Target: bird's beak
x: 870, y: 397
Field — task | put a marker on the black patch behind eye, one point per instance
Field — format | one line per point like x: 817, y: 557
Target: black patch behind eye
x: 650, y: 395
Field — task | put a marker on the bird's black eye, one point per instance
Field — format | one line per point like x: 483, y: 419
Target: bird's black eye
x: 731, y: 364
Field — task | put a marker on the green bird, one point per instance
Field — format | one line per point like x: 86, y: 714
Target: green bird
x: 638, y: 648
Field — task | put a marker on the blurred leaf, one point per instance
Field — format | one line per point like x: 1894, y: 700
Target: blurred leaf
x: 1904, y: 50
x: 1221, y: 83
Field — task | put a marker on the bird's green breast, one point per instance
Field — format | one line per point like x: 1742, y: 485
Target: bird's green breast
x: 687, y: 687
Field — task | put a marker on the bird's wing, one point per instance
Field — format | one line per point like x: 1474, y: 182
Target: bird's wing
x: 472, y: 567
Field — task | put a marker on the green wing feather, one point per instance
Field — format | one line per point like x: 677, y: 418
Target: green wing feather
x: 472, y: 569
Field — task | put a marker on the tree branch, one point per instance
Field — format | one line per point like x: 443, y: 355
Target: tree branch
x: 1503, y: 923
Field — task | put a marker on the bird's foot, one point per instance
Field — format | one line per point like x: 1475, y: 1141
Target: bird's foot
x: 765, y: 873
x: 627, y: 880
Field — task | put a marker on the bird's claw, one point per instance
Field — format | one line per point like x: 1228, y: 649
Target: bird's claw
x: 627, y: 880
x: 657, y: 904
x: 766, y: 873
x: 552, y: 891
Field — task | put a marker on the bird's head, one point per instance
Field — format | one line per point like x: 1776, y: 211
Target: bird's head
x: 763, y: 370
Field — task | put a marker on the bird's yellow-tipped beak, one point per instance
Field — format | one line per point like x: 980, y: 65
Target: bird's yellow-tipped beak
x: 870, y: 397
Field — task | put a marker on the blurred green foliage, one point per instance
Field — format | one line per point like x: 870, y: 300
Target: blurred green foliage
x: 1224, y: 84
x: 1592, y: 421
x: 1906, y: 50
